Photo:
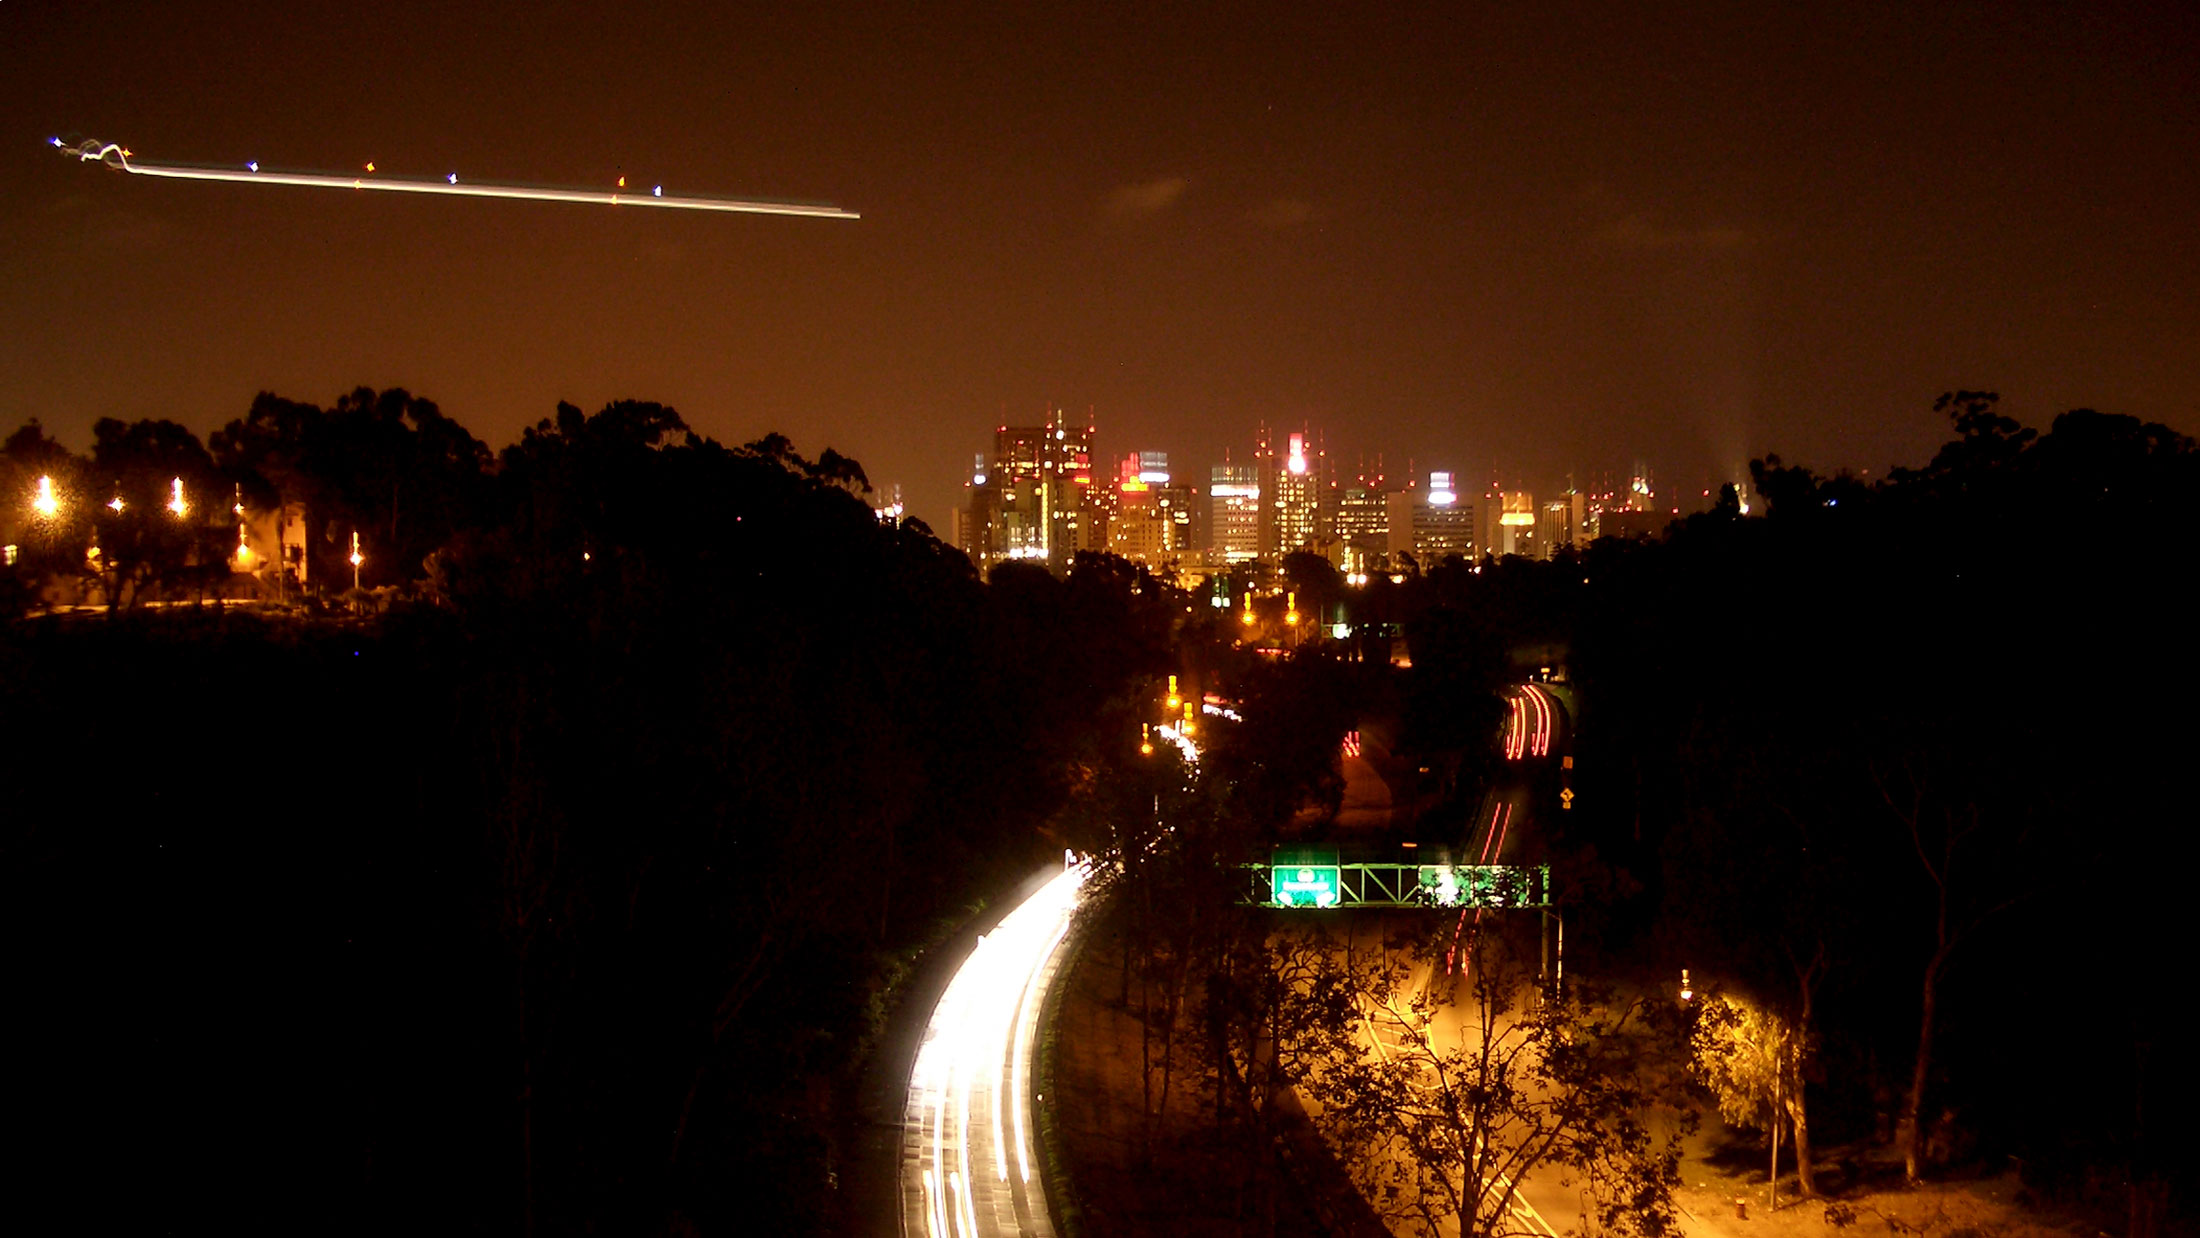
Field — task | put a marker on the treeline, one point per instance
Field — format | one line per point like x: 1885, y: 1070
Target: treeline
x: 563, y: 895
x: 1892, y: 767
x: 1900, y: 762
x: 1239, y: 1009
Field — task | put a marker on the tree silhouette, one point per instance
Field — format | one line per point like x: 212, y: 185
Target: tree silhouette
x: 1447, y: 1101
x: 42, y: 485
x: 386, y: 465
x: 165, y: 522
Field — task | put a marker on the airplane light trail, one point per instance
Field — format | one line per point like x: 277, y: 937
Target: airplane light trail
x: 116, y: 157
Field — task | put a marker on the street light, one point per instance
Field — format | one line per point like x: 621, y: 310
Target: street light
x: 1145, y: 739
x: 356, y: 558
x: 1175, y: 701
x: 176, y: 503
x: 244, y: 541
x: 46, y: 503
x: 1291, y: 609
x: 117, y: 503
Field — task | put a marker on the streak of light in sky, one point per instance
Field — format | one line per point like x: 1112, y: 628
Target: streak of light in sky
x: 116, y: 157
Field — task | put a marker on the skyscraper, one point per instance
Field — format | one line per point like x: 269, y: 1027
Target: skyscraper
x: 1432, y: 525
x: 1152, y: 520
x: 1035, y: 500
x: 1292, y: 503
x: 1234, y: 523
x: 1505, y: 523
x: 1564, y: 522
x: 1362, y: 526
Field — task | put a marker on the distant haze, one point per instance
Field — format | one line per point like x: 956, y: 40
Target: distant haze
x: 1509, y: 240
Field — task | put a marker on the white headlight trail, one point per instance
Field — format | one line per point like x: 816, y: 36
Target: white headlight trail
x: 969, y: 1094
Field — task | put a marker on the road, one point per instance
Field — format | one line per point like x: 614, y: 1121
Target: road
x: 969, y: 1156
x: 969, y: 1161
x: 1502, y: 833
x: 1533, y: 719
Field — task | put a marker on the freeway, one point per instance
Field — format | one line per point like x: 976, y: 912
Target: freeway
x: 969, y: 1156
x: 969, y: 1159
x: 1436, y: 1007
x: 1501, y: 830
x: 1529, y: 725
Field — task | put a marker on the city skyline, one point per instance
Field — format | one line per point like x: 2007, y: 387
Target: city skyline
x: 1051, y: 490
x: 1399, y: 469
x: 1696, y: 236
x: 1100, y: 620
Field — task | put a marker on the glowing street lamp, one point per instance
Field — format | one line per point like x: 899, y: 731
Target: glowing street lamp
x: 1291, y: 609
x: 356, y: 558
x: 1145, y: 739
x: 46, y: 503
x: 244, y: 541
x: 1175, y: 701
x: 176, y: 503
x: 1247, y: 617
x: 117, y: 504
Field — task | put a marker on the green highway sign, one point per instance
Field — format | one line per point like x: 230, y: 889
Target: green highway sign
x: 1303, y: 885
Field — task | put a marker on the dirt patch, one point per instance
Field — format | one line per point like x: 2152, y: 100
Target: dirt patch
x: 1723, y: 1201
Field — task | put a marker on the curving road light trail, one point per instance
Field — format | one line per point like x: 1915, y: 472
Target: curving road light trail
x: 1539, y: 744
x: 968, y: 1156
x: 121, y: 160
x: 1528, y: 728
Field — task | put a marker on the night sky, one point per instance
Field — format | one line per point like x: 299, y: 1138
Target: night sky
x: 1511, y: 240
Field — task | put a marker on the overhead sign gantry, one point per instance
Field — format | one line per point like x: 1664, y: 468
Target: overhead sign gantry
x: 1315, y: 878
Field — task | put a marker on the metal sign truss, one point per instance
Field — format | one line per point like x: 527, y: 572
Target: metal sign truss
x: 1320, y: 881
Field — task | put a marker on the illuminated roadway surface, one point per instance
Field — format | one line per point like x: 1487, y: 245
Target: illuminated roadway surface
x: 1528, y: 729
x: 1528, y: 732
x: 969, y: 1158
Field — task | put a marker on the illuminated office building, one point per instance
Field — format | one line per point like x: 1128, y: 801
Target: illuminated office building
x: 1431, y: 525
x: 1152, y: 519
x: 1505, y: 523
x: 1291, y: 500
x: 1234, y: 513
x: 1035, y: 499
x: 1562, y: 523
x: 1361, y: 525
